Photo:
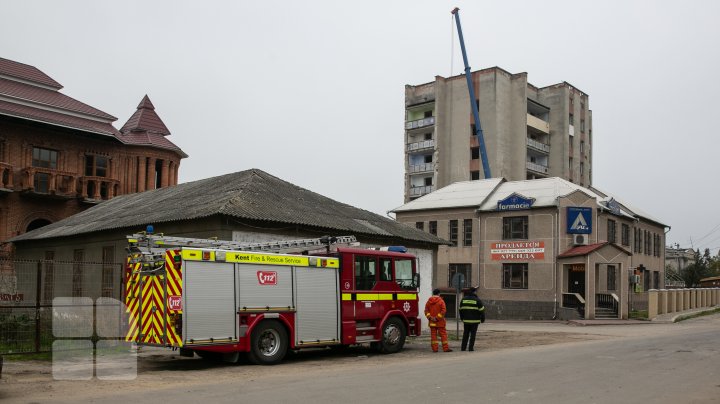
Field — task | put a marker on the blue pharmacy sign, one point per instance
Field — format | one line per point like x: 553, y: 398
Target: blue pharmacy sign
x: 579, y: 220
x: 515, y: 202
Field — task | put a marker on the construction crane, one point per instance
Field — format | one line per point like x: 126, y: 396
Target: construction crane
x: 473, y: 105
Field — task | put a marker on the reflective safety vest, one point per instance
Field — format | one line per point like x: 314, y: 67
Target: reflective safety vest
x: 471, y: 309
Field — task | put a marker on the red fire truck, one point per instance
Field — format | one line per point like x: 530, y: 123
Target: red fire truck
x: 214, y: 297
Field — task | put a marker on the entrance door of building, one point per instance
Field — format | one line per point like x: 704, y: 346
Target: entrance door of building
x: 576, y: 281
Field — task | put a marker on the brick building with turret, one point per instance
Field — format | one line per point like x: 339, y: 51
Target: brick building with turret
x: 59, y: 156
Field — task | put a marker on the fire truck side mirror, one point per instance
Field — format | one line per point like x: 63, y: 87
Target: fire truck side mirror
x: 416, y: 280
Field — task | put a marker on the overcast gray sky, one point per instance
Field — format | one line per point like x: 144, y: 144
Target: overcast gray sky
x: 313, y: 91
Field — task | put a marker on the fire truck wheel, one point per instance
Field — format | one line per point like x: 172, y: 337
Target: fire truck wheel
x: 268, y: 343
x: 393, y: 336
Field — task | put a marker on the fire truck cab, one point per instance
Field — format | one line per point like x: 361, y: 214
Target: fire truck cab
x: 212, y: 298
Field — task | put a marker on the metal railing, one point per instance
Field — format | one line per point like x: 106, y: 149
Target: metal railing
x: 425, y: 144
x: 27, y: 290
x: 537, y: 167
x: 538, y: 145
x: 418, y: 191
x: 421, y: 168
x: 420, y: 123
x: 574, y: 300
x: 607, y: 301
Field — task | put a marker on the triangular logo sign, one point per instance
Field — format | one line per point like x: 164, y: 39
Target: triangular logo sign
x: 579, y: 223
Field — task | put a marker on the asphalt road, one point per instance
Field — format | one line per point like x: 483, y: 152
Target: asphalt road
x: 658, y: 363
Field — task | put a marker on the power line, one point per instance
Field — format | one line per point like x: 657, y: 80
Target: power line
x: 714, y: 229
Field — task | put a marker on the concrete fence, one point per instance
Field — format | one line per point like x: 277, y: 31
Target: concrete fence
x: 676, y: 300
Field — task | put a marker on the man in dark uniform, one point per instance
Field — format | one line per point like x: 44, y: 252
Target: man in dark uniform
x: 472, y: 313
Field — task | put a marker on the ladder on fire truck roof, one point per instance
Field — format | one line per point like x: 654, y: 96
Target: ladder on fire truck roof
x: 285, y: 246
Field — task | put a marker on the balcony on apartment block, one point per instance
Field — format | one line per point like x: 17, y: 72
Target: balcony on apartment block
x: 539, y: 146
x: 423, y: 145
x: 538, y: 168
x: 421, y: 168
x: 421, y: 190
x: 420, y: 123
x: 538, y: 124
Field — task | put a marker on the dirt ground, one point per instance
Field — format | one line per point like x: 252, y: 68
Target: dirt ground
x: 32, y: 380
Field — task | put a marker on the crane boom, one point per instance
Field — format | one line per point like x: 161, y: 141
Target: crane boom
x: 473, y: 105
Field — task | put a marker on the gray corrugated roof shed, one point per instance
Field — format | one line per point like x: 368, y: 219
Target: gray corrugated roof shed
x: 251, y: 194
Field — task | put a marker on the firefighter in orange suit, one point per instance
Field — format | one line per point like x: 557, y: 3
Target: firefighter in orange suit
x: 435, y: 313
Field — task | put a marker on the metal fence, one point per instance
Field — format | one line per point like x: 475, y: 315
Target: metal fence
x: 27, y: 290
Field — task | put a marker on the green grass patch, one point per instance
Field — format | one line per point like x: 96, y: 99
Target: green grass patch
x: 20, y: 357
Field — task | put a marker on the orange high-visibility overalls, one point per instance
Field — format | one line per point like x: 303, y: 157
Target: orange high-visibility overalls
x: 435, y: 313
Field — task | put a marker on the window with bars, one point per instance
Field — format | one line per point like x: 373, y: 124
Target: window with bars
x: 515, y: 227
x: 611, y: 236
x: 453, y: 231
x: 611, y: 277
x: 515, y: 276
x: 625, y: 235
x: 465, y: 269
x: 467, y: 232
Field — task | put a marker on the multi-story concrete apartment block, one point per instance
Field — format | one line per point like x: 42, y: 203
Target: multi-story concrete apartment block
x: 529, y: 132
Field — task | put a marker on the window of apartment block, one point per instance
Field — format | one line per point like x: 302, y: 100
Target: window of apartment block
x: 656, y: 280
x: 474, y: 175
x: 428, y: 114
x: 611, y: 236
x: 474, y: 153
x: 515, y: 276
x: 646, y: 280
x: 77, y: 273
x: 582, y: 125
x: 647, y: 242
x: 515, y: 227
x: 571, y: 119
x: 625, y: 235
x: 467, y: 232
x: 432, y: 227
x: 582, y: 169
x: 428, y: 181
x: 96, y: 166
x: 611, y: 277
x: 582, y: 147
x: 420, y: 225
x: 428, y: 136
x: 427, y: 158
x: 465, y: 269
x: 453, y: 231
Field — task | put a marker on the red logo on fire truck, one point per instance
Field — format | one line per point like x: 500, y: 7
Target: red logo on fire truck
x: 267, y: 277
x: 174, y: 302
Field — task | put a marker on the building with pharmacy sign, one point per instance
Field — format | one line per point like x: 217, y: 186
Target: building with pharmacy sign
x: 544, y: 248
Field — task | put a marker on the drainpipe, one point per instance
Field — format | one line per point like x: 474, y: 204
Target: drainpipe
x: 556, y: 247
